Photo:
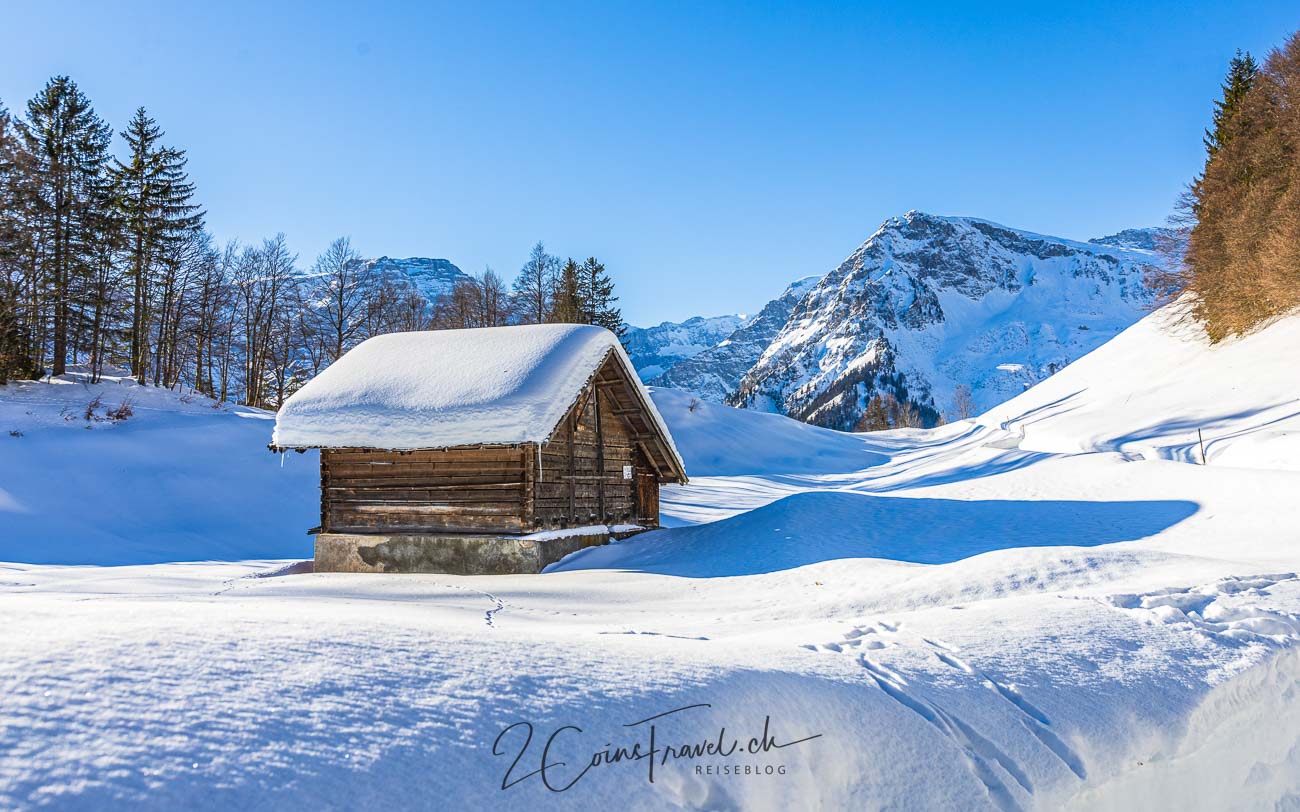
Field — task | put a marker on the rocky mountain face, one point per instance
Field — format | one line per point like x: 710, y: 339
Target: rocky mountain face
x: 432, y: 277
x: 1143, y: 239
x: 928, y: 303
x: 654, y: 349
x: 715, y: 373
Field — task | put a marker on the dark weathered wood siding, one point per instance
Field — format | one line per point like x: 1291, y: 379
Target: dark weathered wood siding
x: 580, y: 481
x: 472, y: 489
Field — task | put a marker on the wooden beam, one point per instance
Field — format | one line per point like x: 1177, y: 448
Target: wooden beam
x: 573, y: 468
x: 600, y: 455
x: 530, y: 486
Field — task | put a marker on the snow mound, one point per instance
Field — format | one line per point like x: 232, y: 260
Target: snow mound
x: 183, y: 478
x: 444, y: 388
x: 1147, y: 393
x: 812, y: 527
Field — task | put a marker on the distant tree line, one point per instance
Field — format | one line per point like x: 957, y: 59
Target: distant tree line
x: 105, y: 262
x: 1242, y: 255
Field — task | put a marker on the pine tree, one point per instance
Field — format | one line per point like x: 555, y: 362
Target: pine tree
x: 11, y: 249
x: 1242, y: 71
x: 102, y: 295
x: 566, y: 297
x: 69, y: 145
x: 596, y: 291
x: 154, y: 196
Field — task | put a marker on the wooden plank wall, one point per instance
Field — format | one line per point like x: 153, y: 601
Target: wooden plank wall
x: 472, y: 489
x: 581, y: 477
x: 573, y: 480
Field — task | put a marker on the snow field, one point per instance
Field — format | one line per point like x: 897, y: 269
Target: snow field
x: 1023, y: 611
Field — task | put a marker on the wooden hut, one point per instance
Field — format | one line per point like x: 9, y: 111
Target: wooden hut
x: 457, y: 450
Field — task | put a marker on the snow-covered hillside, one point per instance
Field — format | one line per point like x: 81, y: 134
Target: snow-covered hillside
x: 972, y: 617
x: 433, y: 278
x: 1240, y: 398
x: 182, y: 478
x: 654, y: 350
x: 716, y: 372
x: 927, y: 303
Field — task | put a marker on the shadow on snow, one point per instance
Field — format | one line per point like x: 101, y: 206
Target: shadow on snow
x: 809, y: 528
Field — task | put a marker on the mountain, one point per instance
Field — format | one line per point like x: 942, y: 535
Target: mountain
x: 716, y: 372
x: 928, y: 303
x: 431, y: 277
x: 1143, y: 239
x: 653, y: 350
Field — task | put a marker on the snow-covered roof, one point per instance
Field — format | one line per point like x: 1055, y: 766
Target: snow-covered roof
x: 445, y: 388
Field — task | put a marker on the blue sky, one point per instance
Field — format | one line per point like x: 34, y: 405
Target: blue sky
x: 709, y: 153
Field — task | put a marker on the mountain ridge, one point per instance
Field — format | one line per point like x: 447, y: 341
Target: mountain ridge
x: 930, y: 302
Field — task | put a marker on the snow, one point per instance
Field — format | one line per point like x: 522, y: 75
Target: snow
x: 585, y: 530
x: 444, y: 388
x: 183, y: 479
x: 1242, y: 394
x: 967, y: 618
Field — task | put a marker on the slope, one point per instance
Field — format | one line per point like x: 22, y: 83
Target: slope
x: 1160, y: 390
x: 183, y: 478
x: 960, y: 620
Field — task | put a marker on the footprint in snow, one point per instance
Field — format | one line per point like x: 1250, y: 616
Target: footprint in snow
x: 1229, y: 611
x: 870, y: 637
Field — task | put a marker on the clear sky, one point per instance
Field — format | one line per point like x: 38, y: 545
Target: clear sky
x: 709, y: 153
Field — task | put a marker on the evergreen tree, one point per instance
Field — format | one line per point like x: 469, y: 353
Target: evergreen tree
x: 102, y: 294
x: 566, y: 297
x: 12, y: 243
x: 69, y: 145
x: 1242, y: 71
x: 154, y: 196
x: 596, y: 291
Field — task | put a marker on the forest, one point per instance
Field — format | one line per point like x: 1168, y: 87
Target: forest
x: 105, y: 263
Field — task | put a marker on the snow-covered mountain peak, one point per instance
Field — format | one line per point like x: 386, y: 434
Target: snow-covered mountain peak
x: 433, y: 278
x: 1139, y: 239
x: 928, y: 302
x: 714, y: 373
x: 656, y: 349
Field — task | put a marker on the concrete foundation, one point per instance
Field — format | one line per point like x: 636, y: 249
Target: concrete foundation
x: 450, y: 553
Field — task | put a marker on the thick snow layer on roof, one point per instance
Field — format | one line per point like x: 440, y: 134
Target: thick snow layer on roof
x: 443, y: 388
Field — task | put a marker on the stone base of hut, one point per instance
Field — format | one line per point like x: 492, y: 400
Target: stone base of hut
x: 448, y: 553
